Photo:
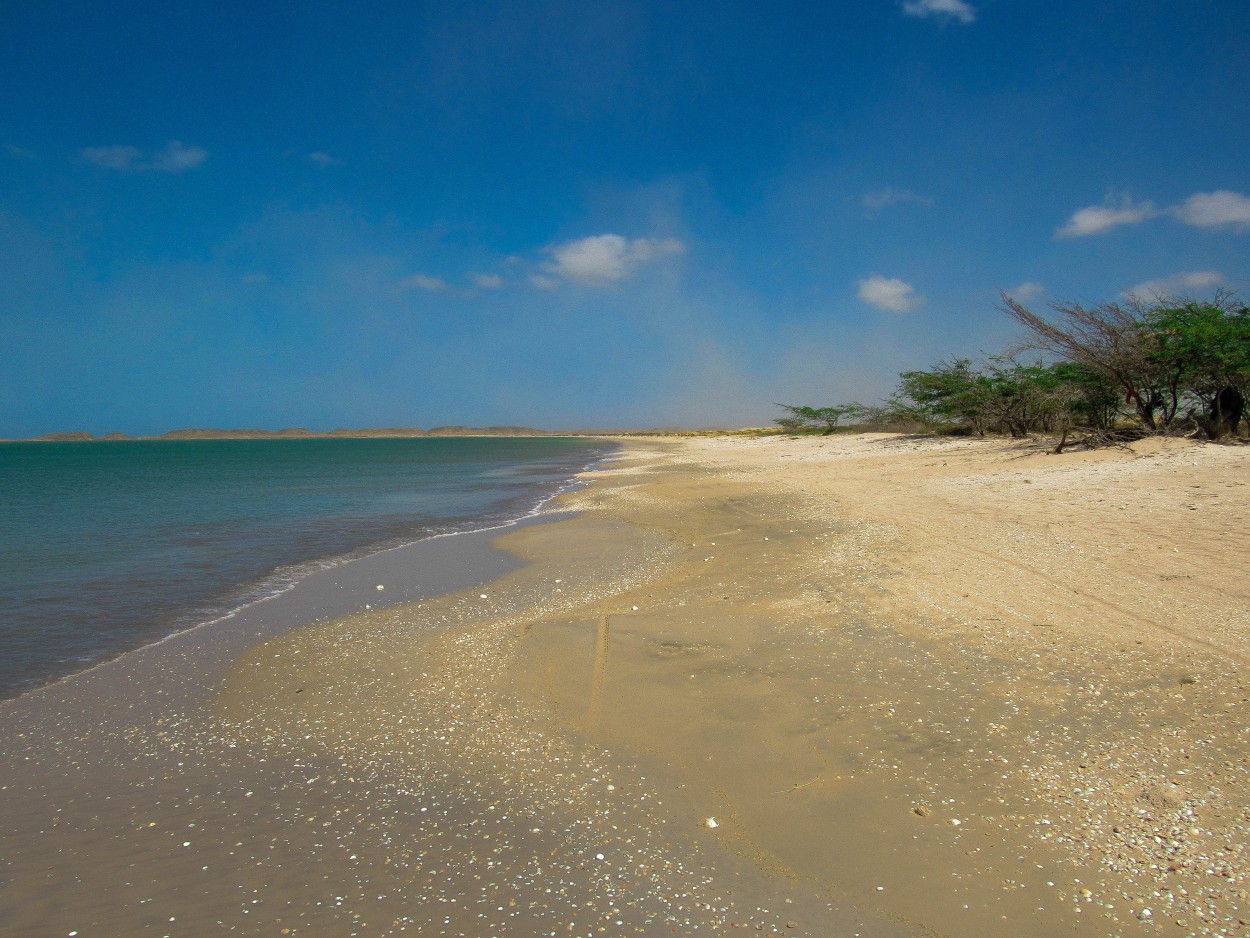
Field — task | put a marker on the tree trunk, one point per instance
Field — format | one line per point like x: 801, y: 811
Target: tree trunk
x: 1225, y: 413
x: 1145, y: 409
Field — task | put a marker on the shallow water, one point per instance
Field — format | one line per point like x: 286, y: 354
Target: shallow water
x: 108, y: 546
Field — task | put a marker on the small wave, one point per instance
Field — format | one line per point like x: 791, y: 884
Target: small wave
x: 283, y: 579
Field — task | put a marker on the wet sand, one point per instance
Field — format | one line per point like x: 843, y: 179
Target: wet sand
x: 854, y: 685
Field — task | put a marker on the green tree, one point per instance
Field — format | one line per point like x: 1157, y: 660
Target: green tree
x: 1021, y: 399
x: 1106, y: 362
x: 826, y: 419
x: 1092, y: 401
x: 1205, y: 349
x: 952, y: 393
x: 1112, y: 339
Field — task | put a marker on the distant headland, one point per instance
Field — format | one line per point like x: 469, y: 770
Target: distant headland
x: 292, y: 433
x: 300, y: 433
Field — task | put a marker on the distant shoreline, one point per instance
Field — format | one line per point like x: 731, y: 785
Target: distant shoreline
x: 289, y: 433
x: 299, y: 433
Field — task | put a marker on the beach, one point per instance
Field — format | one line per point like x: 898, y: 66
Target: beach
x: 859, y: 684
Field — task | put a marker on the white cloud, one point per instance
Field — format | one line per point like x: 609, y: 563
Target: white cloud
x: 600, y: 260
x: 1215, y: 210
x: 324, y: 160
x: 953, y: 9
x: 889, y: 294
x: 175, y: 157
x: 426, y: 282
x: 883, y: 198
x: 1164, y: 287
x: 488, y: 281
x: 1029, y: 290
x: 1099, y: 218
x: 544, y: 283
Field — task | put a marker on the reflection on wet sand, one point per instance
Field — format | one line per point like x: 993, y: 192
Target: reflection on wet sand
x: 594, y: 709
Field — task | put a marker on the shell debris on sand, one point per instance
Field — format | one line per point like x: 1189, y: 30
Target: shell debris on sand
x: 403, y: 780
x: 525, y: 806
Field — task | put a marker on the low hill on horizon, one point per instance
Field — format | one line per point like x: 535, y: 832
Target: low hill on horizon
x: 290, y: 433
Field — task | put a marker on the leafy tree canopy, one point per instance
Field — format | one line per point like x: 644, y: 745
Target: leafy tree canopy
x: 1173, y: 365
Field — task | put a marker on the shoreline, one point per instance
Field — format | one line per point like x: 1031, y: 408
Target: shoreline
x: 914, y: 698
x: 325, y: 589
x: 237, y: 599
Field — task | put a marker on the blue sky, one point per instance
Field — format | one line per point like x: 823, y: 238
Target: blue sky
x: 575, y: 214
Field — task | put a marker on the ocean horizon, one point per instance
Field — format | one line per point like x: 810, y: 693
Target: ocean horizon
x: 107, y: 547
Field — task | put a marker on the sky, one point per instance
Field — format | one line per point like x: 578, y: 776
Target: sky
x: 585, y: 214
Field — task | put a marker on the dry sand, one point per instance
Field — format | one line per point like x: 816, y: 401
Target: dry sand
x: 864, y: 685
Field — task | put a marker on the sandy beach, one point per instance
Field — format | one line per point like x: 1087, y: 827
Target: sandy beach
x: 874, y: 684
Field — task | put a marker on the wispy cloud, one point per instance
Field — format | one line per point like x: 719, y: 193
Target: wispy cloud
x: 1097, y: 219
x: 426, y: 282
x: 544, y: 283
x: 433, y: 284
x: 178, y: 157
x: 1164, y: 287
x: 19, y: 153
x: 875, y: 201
x: 324, y: 160
x: 889, y: 294
x: 120, y: 158
x: 1220, y: 209
x: 945, y: 9
x: 601, y: 260
x: 174, y: 157
x: 1029, y: 290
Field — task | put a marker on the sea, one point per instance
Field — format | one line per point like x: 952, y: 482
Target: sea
x: 112, y: 545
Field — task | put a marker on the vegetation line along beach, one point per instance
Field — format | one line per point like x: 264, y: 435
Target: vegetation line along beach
x: 1101, y: 374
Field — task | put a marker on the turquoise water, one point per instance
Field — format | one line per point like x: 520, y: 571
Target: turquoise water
x: 108, y: 546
